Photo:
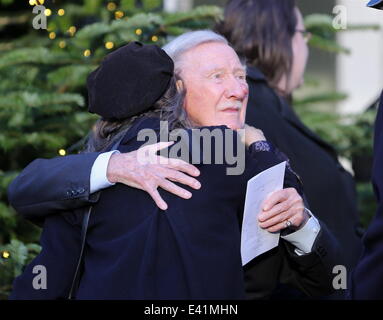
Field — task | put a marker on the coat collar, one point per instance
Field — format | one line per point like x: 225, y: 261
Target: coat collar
x: 255, y: 74
x: 290, y: 115
x: 287, y: 111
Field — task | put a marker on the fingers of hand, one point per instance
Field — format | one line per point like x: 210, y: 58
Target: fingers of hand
x: 150, y: 176
x: 173, y: 188
x: 182, y: 178
x: 276, y: 214
x: 153, y: 148
x: 153, y: 192
x: 283, y: 223
x: 151, y: 186
x: 276, y: 197
x: 296, y: 217
x: 148, y: 154
x: 183, y: 166
x: 153, y: 178
x: 282, y: 206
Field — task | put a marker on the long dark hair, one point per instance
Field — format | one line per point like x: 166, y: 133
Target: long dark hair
x: 170, y: 107
x: 262, y: 32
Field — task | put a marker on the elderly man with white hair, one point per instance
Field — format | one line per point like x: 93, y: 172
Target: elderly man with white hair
x: 212, y: 91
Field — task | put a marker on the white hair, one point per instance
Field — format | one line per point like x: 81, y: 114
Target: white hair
x: 179, y: 45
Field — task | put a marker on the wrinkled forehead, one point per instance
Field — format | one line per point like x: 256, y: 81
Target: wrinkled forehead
x: 210, y: 56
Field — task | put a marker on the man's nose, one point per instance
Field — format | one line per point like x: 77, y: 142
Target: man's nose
x: 237, y: 88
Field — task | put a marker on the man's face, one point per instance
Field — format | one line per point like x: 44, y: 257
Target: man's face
x: 216, y: 88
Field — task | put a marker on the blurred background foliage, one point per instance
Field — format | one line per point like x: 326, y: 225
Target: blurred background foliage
x: 43, y: 94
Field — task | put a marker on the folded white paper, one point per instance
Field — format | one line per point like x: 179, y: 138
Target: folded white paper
x: 254, y: 239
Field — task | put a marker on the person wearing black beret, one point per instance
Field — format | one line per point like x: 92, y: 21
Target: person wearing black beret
x: 133, y: 249
x: 78, y: 177
x: 367, y: 278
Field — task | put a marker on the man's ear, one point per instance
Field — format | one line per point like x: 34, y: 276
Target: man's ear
x: 179, y: 85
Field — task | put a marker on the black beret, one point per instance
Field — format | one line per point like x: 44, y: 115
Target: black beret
x: 129, y: 81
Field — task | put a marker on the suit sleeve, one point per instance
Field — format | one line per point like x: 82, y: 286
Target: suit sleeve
x: 48, y: 186
x: 312, y: 273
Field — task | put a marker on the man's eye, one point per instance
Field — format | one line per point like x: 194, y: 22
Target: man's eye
x: 241, y: 77
x: 217, y: 76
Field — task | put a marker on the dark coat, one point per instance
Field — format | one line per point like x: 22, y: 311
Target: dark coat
x: 329, y: 188
x: 367, y: 279
x: 136, y: 251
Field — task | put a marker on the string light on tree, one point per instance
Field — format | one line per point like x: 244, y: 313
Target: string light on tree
x: 109, y: 45
x: 87, y: 53
x: 36, y: 2
x: 62, y: 152
x: 138, y: 32
x: 118, y: 15
x: 61, y: 12
x: 48, y: 12
x: 6, y: 254
x: 72, y: 30
x: 154, y: 38
x: 111, y: 6
x: 52, y: 35
x: 62, y: 44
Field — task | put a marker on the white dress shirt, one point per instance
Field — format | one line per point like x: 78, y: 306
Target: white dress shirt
x: 98, y: 179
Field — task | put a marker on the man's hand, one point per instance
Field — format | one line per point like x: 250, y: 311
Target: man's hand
x: 149, y: 173
x: 251, y: 135
x: 279, y: 208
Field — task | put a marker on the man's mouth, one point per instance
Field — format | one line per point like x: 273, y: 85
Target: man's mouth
x: 231, y: 109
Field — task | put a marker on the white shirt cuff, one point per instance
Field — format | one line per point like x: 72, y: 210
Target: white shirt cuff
x: 304, y: 238
x: 98, y: 179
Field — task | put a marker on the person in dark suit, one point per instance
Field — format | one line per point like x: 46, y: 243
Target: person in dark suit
x: 191, y: 250
x: 367, y: 278
x: 271, y: 36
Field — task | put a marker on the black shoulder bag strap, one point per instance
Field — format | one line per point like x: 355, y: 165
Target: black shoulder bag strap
x: 84, y: 228
x: 76, y: 277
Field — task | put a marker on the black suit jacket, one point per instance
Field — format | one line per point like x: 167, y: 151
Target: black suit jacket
x: 312, y: 273
x: 50, y: 186
x: 367, y: 279
x: 329, y: 189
